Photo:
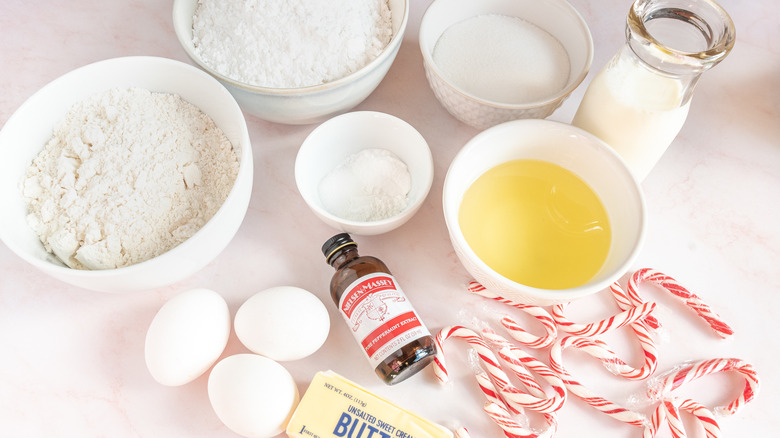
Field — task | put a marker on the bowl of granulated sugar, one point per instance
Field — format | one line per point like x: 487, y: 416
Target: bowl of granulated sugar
x: 293, y: 61
x: 123, y: 175
x: 492, y: 61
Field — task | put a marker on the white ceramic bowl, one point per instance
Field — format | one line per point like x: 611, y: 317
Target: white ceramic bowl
x: 338, y: 138
x: 30, y: 127
x: 557, y: 17
x: 573, y: 149
x: 300, y: 105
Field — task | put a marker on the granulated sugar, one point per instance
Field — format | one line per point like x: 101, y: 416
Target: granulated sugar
x: 127, y: 175
x: 290, y: 43
x: 502, y: 59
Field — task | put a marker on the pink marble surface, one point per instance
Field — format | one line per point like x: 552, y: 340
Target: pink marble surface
x: 72, y: 360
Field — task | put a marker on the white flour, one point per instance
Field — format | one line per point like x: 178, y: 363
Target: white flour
x: 290, y: 43
x: 127, y: 175
x: 370, y: 185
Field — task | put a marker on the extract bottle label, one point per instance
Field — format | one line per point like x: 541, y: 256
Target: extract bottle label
x: 381, y: 317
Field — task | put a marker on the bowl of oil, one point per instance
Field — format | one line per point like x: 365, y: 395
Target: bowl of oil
x: 541, y: 212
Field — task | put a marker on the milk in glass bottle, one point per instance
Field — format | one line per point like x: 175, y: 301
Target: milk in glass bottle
x: 639, y: 101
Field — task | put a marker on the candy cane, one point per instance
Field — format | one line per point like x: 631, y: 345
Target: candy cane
x: 486, y: 356
x: 501, y: 416
x: 515, y: 330
x: 642, y: 334
x: 692, y: 371
x: 520, y: 363
x: 489, y: 361
x: 668, y: 411
x: 626, y: 317
x: 691, y: 300
x: 598, y: 349
x: 487, y: 382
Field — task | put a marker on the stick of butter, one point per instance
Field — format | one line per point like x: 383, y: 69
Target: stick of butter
x: 334, y: 407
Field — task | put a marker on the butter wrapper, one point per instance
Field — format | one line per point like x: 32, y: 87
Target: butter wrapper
x: 334, y: 407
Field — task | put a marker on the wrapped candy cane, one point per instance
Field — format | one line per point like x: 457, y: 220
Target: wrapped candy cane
x: 626, y: 317
x: 501, y: 416
x: 520, y: 361
x: 667, y: 383
x: 597, y: 349
x: 668, y: 411
x: 642, y: 334
x: 486, y: 355
x: 691, y: 300
x: 513, y: 328
x: 495, y: 376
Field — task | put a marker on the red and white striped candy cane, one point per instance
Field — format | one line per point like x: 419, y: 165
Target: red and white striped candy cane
x: 598, y: 349
x: 512, y: 429
x: 691, y: 300
x: 486, y: 355
x: 487, y: 381
x: 513, y: 328
x: 642, y: 334
x: 520, y: 363
x: 628, y: 299
x: 614, y: 322
x: 668, y: 411
x: 667, y: 383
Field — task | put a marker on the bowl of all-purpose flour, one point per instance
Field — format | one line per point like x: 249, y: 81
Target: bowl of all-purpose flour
x: 293, y: 61
x: 364, y: 172
x: 492, y: 61
x: 126, y: 174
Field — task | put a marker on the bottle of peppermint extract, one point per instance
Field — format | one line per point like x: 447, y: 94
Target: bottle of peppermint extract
x: 389, y: 331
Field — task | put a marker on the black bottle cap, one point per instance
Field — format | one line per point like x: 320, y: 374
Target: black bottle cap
x: 335, y: 243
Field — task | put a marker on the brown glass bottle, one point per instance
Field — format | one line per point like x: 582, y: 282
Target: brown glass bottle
x: 388, y: 330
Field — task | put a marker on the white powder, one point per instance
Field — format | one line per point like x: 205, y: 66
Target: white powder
x: 502, y: 59
x: 370, y: 185
x: 127, y: 175
x: 290, y: 43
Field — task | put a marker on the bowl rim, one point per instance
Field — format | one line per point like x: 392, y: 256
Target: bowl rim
x: 433, y: 68
x: 244, y: 159
x: 558, y: 295
x: 395, y: 41
x: 412, y: 205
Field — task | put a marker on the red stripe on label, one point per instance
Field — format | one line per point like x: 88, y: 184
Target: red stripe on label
x: 389, y: 331
x: 363, y: 290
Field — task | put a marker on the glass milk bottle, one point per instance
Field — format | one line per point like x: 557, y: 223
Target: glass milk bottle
x: 639, y: 101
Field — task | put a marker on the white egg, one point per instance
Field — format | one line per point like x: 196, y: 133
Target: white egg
x: 283, y: 323
x: 252, y: 395
x: 187, y: 336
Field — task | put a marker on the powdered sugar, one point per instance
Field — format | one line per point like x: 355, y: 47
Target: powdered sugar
x: 290, y: 43
x: 127, y: 175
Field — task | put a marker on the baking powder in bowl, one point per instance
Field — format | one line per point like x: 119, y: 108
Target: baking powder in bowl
x: 290, y: 43
x: 127, y: 175
x: 369, y: 185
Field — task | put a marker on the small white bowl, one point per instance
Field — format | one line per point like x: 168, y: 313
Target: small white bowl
x: 571, y: 148
x: 338, y: 138
x: 557, y: 17
x: 300, y: 105
x: 31, y: 126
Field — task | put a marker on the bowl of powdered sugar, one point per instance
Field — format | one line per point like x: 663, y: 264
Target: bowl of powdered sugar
x: 492, y: 61
x: 364, y: 172
x: 123, y: 175
x: 293, y: 61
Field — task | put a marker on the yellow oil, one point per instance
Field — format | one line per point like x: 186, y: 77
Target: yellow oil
x: 537, y: 224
